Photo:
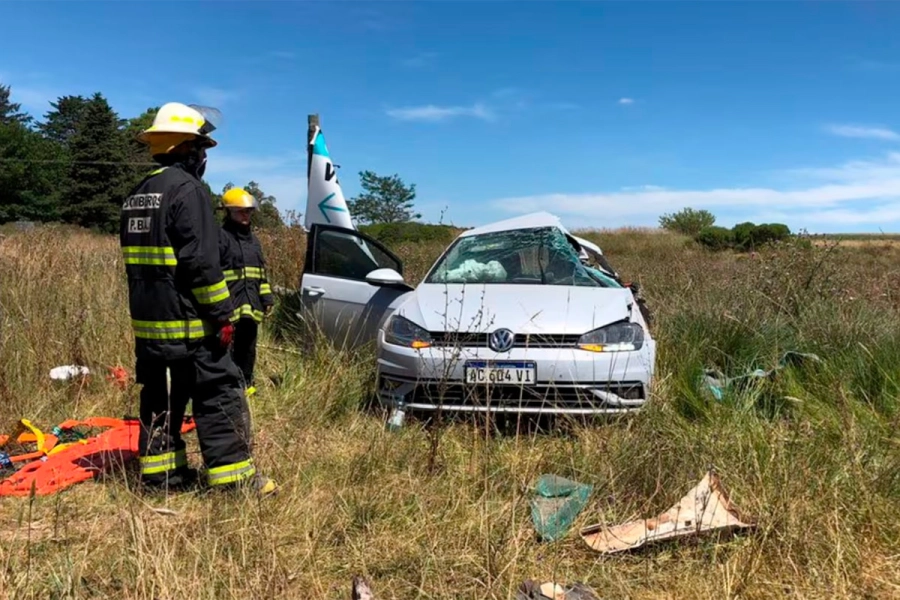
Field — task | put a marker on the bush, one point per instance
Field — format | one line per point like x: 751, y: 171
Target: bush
x: 772, y: 232
x: 743, y: 236
x: 393, y: 234
x: 748, y: 236
x: 687, y: 221
x: 716, y: 238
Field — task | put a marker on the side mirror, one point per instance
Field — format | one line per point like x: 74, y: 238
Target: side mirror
x: 385, y: 277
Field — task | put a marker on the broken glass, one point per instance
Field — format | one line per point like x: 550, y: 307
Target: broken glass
x: 540, y: 255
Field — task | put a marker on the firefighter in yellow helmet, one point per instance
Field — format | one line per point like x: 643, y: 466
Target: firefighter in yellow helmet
x: 244, y: 265
x: 181, y: 312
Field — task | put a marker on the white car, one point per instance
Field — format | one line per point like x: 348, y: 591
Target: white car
x: 509, y: 318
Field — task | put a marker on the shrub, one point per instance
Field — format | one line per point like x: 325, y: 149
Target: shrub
x: 716, y: 238
x: 772, y: 232
x: 687, y: 221
x: 743, y: 235
x: 393, y: 234
x: 748, y: 236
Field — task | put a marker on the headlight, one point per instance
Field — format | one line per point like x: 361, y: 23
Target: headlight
x: 618, y: 337
x: 400, y: 331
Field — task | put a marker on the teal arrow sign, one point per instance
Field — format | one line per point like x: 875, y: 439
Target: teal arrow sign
x: 323, y: 207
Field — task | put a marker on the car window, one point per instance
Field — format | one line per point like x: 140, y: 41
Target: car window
x: 540, y: 255
x: 343, y: 254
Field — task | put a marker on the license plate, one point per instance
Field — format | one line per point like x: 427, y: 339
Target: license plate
x: 503, y: 373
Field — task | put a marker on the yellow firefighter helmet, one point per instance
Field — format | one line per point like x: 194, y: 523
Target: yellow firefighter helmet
x: 239, y: 198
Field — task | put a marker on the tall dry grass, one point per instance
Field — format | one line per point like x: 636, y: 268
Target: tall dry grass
x: 444, y: 513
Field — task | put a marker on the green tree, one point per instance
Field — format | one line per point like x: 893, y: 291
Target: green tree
x: 687, y: 221
x: 715, y: 237
x: 139, y: 160
x: 31, y: 168
x: 384, y: 200
x: 9, y: 110
x: 743, y: 235
x: 749, y: 236
x: 215, y: 198
x: 98, y: 175
x: 60, y: 123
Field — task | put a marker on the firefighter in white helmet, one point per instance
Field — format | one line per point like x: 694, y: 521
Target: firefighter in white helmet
x: 181, y: 312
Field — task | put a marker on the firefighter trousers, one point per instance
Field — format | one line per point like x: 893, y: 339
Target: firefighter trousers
x: 244, y: 348
x: 211, y: 380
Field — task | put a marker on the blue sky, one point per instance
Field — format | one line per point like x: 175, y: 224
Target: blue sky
x: 606, y: 113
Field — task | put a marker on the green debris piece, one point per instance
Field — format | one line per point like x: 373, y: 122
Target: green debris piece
x: 555, y: 504
x: 718, y: 384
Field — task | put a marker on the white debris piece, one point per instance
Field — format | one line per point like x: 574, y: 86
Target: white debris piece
x: 472, y: 270
x: 66, y: 372
x: 704, y: 509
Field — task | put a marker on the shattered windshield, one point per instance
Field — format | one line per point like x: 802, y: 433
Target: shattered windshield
x: 540, y: 255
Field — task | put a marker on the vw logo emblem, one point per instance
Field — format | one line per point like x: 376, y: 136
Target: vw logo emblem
x: 501, y: 340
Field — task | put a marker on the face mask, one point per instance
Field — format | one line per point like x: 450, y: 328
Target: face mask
x: 201, y: 169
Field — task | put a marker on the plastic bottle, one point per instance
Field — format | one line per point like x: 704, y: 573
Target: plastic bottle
x: 398, y: 417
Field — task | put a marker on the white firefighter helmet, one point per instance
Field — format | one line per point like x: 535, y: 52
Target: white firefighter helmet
x: 175, y: 123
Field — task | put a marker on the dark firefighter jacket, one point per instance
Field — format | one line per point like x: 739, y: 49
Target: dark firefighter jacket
x: 169, y: 238
x: 244, y: 267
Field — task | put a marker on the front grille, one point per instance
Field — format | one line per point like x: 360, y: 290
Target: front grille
x: 480, y: 340
x: 540, y: 395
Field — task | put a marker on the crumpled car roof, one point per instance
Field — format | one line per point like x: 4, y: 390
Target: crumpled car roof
x: 537, y: 219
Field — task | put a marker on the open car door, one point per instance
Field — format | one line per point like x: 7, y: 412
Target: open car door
x: 350, y: 284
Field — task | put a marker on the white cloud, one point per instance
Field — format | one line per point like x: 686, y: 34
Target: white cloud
x: 508, y: 92
x: 423, y: 59
x: 504, y: 101
x: 564, y: 106
x: 36, y: 101
x: 643, y: 188
x: 431, y: 112
x: 215, y: 97
x: 855, y: 192
x: 861, y: 131
x: 626, y: 101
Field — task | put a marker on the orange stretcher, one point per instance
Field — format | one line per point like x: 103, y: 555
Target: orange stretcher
x: 53, y: 466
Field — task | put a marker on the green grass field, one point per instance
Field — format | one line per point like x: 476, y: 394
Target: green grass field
x: 442, y: 512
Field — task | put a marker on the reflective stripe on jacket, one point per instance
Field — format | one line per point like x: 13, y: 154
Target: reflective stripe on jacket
x: 244, y: 267
x: 177, y: 291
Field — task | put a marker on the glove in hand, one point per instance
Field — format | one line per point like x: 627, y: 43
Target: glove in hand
x: 226, y: 335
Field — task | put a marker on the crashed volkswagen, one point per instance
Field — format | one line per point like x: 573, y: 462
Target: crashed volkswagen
x: 518, y: 316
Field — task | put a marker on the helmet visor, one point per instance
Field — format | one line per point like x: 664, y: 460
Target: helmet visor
x: 212, y: 118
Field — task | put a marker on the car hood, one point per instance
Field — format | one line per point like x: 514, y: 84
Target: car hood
x: 540, y: 309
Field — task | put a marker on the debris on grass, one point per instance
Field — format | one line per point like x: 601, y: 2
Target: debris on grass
x: 556, y: 503
x: 119, y: 377
x: 532, y: 590
x: 717, y: 383
x: 397, y: 418
x: 67, y: 372
x: 361, y: 590
x: 704, y: 509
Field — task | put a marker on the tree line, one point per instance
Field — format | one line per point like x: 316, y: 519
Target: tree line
x: 77, y: 162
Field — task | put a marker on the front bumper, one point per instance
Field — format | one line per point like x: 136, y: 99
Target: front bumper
x: 569, y: 380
